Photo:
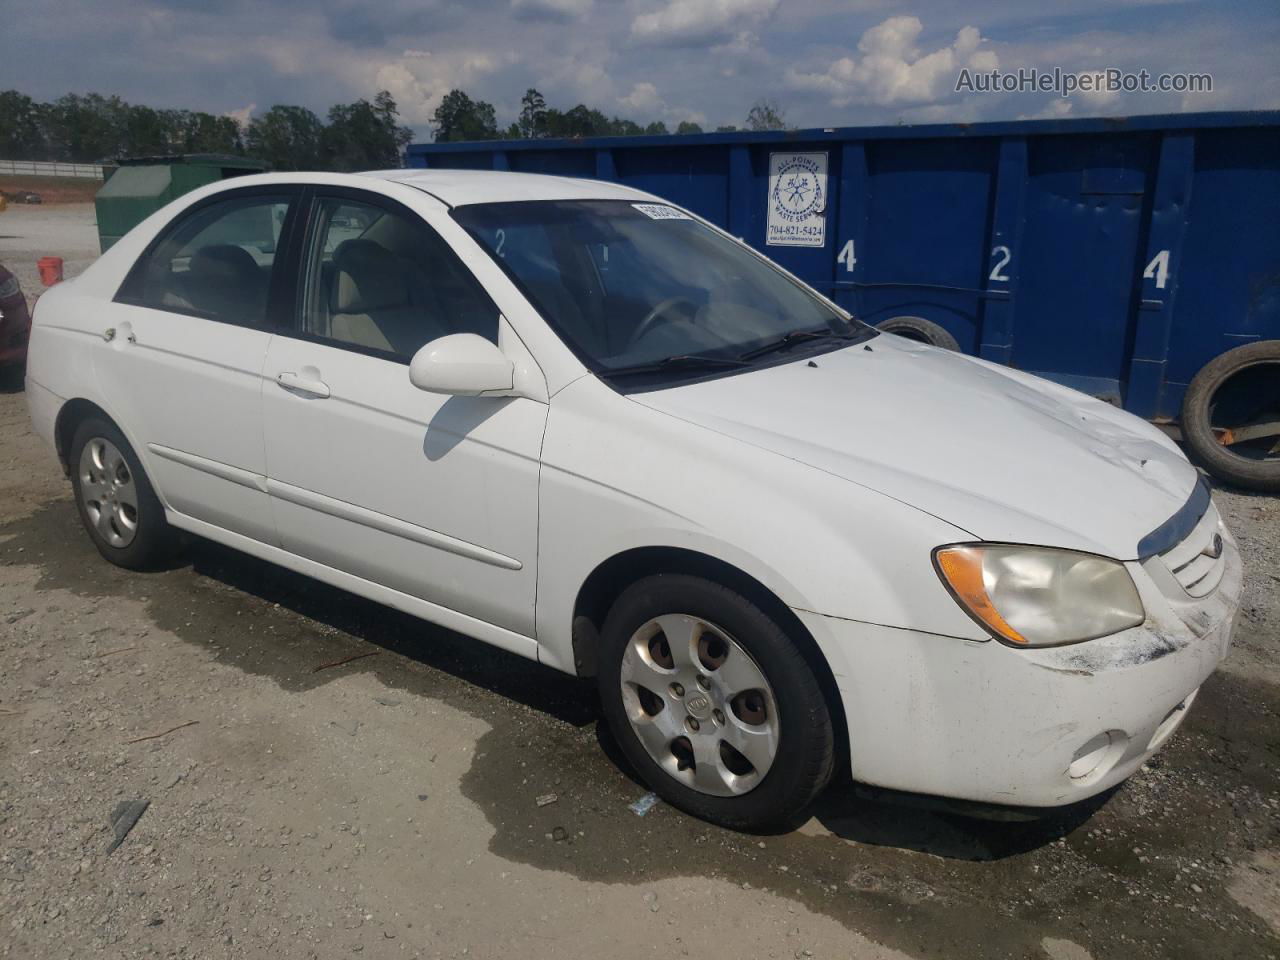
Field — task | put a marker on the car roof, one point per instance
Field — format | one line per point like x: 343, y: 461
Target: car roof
x: 459, y: 187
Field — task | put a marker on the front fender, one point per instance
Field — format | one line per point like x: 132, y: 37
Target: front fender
x: 617, y: 475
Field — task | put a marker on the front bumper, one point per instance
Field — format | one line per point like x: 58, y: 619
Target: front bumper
x: 1041, y: 728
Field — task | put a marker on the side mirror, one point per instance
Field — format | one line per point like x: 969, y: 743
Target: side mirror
x: 463, y: 364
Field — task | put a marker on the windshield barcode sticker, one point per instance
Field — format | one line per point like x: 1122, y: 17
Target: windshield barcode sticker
x: 660, y: 211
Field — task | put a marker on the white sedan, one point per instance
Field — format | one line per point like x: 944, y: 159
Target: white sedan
x: 571, y: 420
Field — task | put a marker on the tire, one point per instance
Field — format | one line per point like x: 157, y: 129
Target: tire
x: 1251, y: 378
x: 127, y: 525
x: 787, y: 715
x: 11, y: 377
x: 920, y: 330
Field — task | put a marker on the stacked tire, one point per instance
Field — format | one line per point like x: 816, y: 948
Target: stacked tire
x: 1231, y: 416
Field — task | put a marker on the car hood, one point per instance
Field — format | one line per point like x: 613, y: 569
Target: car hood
x: 998, y: 453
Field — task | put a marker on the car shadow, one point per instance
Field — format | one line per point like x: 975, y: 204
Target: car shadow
x: 538, y: 687
x: 848, y: 810
x: 942, y: 828
x: 860, y: 814
x: 455, y: 420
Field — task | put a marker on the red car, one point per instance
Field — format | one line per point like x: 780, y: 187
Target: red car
x: 15, y: 322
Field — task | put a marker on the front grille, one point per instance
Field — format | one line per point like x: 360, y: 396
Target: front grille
x: 1192, y: 562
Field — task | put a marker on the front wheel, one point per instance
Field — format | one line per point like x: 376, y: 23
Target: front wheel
x: 712, y: 703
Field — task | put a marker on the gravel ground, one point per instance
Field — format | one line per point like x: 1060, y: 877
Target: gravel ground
x: 394, y: 805
x: 27, y: 233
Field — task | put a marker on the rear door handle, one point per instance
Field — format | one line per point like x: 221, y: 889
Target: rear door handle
x: 312, y: 388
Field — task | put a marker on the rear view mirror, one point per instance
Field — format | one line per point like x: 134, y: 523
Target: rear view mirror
x: 462, y: 364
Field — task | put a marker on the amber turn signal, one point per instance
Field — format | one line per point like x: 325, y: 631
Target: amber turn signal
x: 961, y: 570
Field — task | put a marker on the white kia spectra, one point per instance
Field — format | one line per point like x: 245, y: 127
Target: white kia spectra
x: 569, y: 419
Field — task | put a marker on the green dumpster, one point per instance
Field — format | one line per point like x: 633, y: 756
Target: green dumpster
x: 142, y: 185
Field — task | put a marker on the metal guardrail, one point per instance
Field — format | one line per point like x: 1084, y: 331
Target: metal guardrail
x: 40, y: 168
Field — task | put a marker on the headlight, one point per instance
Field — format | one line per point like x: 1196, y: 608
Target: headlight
x: 1038, y: 596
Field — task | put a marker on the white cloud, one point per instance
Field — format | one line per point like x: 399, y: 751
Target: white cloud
x: 891, y: 69
x: 551, y: 9
x: 569, y: 80
x: 644, y: 103
x: 243, y: 115
x: 643, y: 97
x: 419, y: 80
x: 689, y: 22
x: 744, y: 42
x: 1055, y: 109
x: 1100, y: 97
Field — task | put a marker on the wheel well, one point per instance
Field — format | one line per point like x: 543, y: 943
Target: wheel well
x: 608, y: 580
x: 73, y: 413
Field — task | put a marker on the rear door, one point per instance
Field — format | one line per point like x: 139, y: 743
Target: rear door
x: 183, y: 348
x: 431, y: 495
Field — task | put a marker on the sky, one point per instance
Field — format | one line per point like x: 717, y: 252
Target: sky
x: 825, y: 62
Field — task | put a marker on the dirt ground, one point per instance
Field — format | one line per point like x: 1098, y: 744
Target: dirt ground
x: 393, y: 805
x: 29, y: 232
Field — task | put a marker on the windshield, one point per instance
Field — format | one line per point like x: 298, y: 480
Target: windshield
x: 643, y: 287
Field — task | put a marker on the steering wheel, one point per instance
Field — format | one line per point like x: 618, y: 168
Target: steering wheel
x: 653, y: 316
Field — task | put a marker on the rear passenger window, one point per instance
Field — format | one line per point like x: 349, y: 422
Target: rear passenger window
x: 384, y: 281
x: 216, y: 262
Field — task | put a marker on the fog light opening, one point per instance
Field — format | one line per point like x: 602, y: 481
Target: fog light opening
x: 1094, y: 760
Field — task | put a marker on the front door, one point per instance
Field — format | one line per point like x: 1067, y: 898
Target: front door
x: 182, y: 353
x: 431, y: 495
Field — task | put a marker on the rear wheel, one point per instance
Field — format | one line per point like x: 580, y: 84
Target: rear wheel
x: 116, y: 502
x: 712, y: 703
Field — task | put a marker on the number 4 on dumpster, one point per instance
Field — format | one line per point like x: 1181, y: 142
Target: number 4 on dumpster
x: 1158, y: 269
x: 846, y: 257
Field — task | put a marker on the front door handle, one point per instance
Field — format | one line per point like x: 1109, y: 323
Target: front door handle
x: 312, y: 388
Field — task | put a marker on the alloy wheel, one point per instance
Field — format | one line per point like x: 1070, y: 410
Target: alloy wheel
x: 108, y: 493
x: 699, y: 704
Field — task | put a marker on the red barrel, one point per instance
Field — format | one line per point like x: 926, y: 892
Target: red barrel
x: 50, y: 270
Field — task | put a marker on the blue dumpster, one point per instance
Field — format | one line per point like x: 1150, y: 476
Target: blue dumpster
x: 1117, y: 256
x: 1136, y: 259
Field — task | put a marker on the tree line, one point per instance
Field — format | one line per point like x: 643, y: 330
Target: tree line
x: 361, y: 135
x: 460, y: 117
x: 92, y: 128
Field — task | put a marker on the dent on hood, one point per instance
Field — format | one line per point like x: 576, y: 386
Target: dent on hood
x: 1110, y: 434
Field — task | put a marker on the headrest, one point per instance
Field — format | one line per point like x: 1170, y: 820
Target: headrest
x: 368, y: 277
x: 224, y: 263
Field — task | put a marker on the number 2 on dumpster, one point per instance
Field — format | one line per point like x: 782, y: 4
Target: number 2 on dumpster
x: 1002, y: 257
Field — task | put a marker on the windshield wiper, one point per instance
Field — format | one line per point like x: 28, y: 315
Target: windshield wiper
x: 680, y: 362
x: 793, y: 337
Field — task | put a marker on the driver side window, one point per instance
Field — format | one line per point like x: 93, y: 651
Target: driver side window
x: 382, y: 281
